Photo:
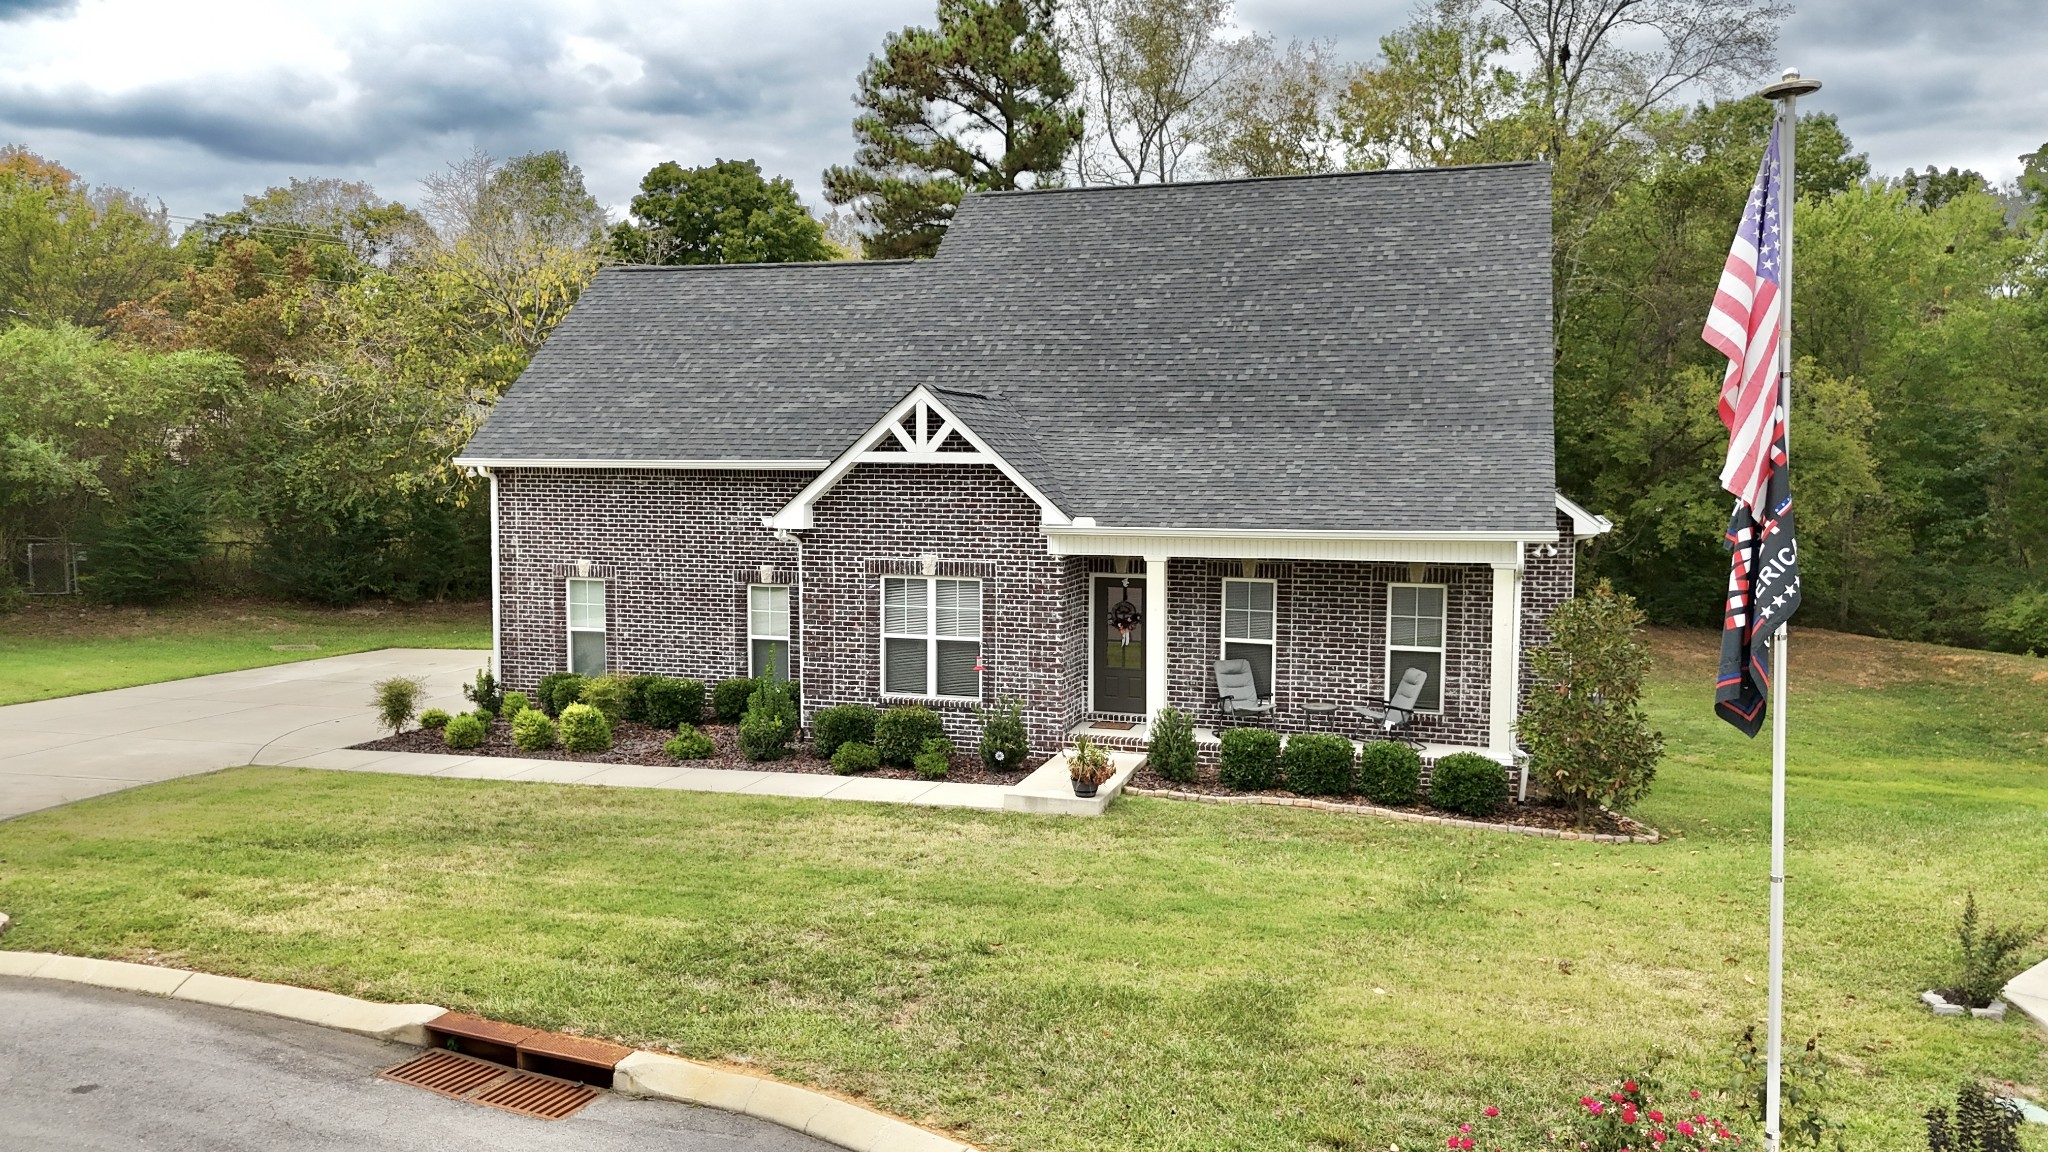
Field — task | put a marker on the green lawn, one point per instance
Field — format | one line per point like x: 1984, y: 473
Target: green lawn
x: 1171, y: 976
x: 63, y: 647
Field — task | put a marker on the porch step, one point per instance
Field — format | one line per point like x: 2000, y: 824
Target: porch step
x: 1050, y: 789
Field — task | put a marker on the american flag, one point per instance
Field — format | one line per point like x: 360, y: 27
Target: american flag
x: 1763, y: 574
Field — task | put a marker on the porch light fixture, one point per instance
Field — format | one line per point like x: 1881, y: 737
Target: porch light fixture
x: 1550, y: 549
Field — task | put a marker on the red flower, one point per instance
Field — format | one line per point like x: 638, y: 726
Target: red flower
x: 1464, y: 1127
x: 1615, y: 1096
x: 1628, y: 1085
x: 1492, y: 1111
x: 1685, y: 1128
x: 1628, y: 1113
x: 1695, y: 1093
x: 1465, y: 1145
x: 1656, y: 1116
x: 1657, y: 1137
x: 1596, y: 1107
x: 1586, y: 1101
x: 1452, y: 1144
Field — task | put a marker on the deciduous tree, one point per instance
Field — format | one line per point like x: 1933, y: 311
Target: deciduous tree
x: 722, y: 213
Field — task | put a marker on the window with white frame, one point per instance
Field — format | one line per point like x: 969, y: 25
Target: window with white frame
x: 1248, y: 628
x: 768, y: 629
x: 931, y: 637
x: 1415, y: 639
x: 586, y: 627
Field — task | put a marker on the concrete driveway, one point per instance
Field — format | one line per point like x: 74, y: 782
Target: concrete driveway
x: 89, y: 1068
x: 57, y: 751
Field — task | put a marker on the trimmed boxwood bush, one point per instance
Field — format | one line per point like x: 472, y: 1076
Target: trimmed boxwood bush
x: 671, y: 703
x: 558, y: 690
x: 1004, y: 746
x: 729, y: 699
x: 1389, y: 772
x: 1171, y: 749
x: 1468, y: 784
x: 840, y: 725
x: 935, y: 758
x: 853, y: 758
x: 532, y: 731
x: 901, y: 732
x: 487, y: 717
x: 1251, y: 759
x: 636, y: 696
x: 584, y: 729
x: 770, y: 723
x: 515, y: 703
x: 690, y: 744
x: 464, y: 731
x: 1319, y: 764
x: 434, y: 718
x: 607, y: 694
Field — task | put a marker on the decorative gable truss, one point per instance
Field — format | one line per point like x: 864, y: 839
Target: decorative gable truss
x: 919, y: 429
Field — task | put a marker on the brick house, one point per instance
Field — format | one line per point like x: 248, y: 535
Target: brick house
x: 1107, y: 437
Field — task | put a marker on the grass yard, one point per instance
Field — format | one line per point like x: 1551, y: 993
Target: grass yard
x: 1171, y: 976
x: 54, y: 648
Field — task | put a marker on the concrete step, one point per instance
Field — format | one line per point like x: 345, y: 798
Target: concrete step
x: 1049, y: 790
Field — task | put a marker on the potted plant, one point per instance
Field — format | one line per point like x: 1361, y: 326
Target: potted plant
x: 1088, y: 765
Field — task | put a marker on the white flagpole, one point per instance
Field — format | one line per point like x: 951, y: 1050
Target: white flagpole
x: 1786, y: 92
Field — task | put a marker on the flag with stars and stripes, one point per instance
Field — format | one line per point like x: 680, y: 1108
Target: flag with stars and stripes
x: 1763, y: 573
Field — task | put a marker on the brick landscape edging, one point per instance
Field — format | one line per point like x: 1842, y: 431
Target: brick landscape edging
x: 1648, y: 835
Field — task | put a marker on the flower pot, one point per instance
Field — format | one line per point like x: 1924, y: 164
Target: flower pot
x: 1084, y: 789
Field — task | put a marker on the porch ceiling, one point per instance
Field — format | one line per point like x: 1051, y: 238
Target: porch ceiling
x: 1085, y: 541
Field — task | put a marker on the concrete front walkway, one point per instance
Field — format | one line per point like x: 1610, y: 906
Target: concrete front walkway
x: 57, y: 751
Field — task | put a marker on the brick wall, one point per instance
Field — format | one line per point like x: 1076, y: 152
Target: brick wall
x: 1547, y: 581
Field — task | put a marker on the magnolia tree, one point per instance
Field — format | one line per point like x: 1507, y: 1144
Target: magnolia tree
x: 1583, y: 724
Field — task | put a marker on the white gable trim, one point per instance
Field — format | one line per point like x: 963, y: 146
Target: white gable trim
x: 1584, y: 523
x: 917, y: 445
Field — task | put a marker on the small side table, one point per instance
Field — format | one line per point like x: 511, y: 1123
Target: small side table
x: 1320, y: 712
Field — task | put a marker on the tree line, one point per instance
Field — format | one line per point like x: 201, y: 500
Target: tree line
x: 298, y: 372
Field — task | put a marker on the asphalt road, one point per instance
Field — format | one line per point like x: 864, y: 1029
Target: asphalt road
x: 89, y: 1068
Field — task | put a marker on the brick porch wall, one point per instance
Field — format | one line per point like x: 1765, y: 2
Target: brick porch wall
x: 1547, y: 581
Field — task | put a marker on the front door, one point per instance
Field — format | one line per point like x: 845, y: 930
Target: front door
x: 1117, y: 631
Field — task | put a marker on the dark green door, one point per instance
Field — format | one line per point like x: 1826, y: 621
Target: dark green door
x: 1118, y: 632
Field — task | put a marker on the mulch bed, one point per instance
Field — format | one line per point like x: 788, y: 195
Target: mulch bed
x: 634, y: 743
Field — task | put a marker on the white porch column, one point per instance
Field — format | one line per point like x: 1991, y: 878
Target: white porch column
x: 497, y: 628
x: 1506, y: 660
x: 1155, y: 636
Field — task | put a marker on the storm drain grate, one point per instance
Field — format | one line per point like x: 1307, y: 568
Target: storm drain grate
x: 462, y: 1077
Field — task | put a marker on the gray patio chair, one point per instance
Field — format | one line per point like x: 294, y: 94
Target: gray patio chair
x: 1392, y: 714
x: 1237, y: 692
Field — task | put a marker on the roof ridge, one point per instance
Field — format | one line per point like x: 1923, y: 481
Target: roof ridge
x: 1338, y: 175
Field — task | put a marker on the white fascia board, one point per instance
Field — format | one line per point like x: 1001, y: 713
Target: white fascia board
x: 678, y: 465
x: 1584, y: 523
x: 1086, y: 530
x: 1399, y: 548
x: 796, y: 515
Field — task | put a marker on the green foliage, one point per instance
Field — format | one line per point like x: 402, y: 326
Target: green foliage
x: 850, y: 759
x: 771, y: 721
x: 721, y: 213
x: 544, y: 692
x: 485, y: 692
x: 486, y: 715
x: 558, y: 690
x: 690, y: 744
x: 396, y: 699
x: 934, y: 759
x: 1989, y: 956
x: 636, y: 697
x: 2021, y: 624
x: 841, y: 724
x: 150, y: 554
x: 585, y: 729
x: 983, y: 102
x: 671, y: 703
x: 901, y: 732
x: 464, y: 731
x: 608, y: 694
x: 1583, y: 724
x: 1804, y: 1096
x: 1389, y: 773
x: 1468, y: 784
x: 1982, y: 1122
x: 70, y: 253
x: 1088, y: 765
x: 515, y: 703
x: 1319, y: 764
x: 532, y: 731
x: 1004, y: 744
x: 434, y: 718
x: 729, y: 699
x: 1251, y: 759
x: 1171, y: 749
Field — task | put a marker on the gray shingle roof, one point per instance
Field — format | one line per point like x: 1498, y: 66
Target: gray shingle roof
x: 1346, y: 352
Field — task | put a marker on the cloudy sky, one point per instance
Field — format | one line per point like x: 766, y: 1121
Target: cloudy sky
x: 200, y: 101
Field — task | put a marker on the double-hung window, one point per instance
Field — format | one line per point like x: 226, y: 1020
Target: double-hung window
x: 931, y: 637
x: 1248, y: 628
x: 586, y: 627
x: 768, y: 629
x: 1415, y: 639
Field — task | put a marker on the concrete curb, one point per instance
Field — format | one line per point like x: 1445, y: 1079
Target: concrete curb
x: 651, y: 1074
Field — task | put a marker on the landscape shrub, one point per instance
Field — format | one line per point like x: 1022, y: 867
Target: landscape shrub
x: 1389, y: 773
x: 771, y: 721
x: 1251, y: 759
x: 853, y: 758
x: 729, y: 699
x: 1468, y: 784
x: 532, y: 731
x: 584, y: 729
x: 1983, y: 1121
x: 486, y: 716
x: 841, y: 724
x: 1004, y: 745
x: 396, y: 700
x: 1319, y: 764
x: 901, y: 732
x: 1589, y: 743
x: 434, y: 718
x: 636, y: 696
x: 1989, y: 957
x: 485, y: 693
x: 934, y: 759
x: 1171, y: 749
x: 671, y: 703
x: 556, y: 691
x: 690, y: 744
x: 608, y: 695
x: 151, y: 553
x: 464, y: 731
x: 515, y: 703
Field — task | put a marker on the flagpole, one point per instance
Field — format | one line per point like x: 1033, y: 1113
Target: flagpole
x: 1786, y: 92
